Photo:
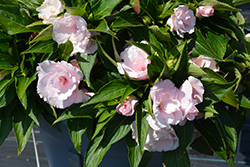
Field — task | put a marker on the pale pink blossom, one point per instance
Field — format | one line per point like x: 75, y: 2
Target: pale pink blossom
x: 137, y: 7
x: 166, y: 104
x: 163, y: 139
x: 127, y: 108
x: 203, y: 61
x: 74, y: 28
x: 204, y: 11
x: 49, y: 10
x: 182, y: 21
x: 190, y: 94
x: 134, y: 63
x: 58, y: 84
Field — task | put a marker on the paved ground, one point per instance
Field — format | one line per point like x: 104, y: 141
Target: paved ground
x: 9, y: 158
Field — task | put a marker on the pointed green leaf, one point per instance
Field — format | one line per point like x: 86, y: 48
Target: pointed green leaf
x: 86, y: 63
x: 5, y: 126
x: 217, y: 5
x: 114, y: 89
x: 115, y: 131
x: 75, y: 111
x: 23, y: 125
x: 77, y: 127
x: 42, y: 47
x: 13, y: 21
x: 44, y: 35
x: 22, y: 83
x: 65, y: 50
x: 127, y: 20
x: 104, y: 8
x: 173, y: 159
x: 104, y: 118
x: 210, y: 44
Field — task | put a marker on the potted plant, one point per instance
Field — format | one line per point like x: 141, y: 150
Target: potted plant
x: 159, y: 76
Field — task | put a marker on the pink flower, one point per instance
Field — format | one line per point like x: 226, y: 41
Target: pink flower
x: 204, y: 11
x: 191, y: 94
x: 134, y: 63
x: 49, y: 10
x: 74, y: 28
x: 58, y: 84
x: 166, y: 104
x: 158, y: 140
x: 137, y: 7
x: 127, y: 107
x: 182, y: 21
x: 203, y: 61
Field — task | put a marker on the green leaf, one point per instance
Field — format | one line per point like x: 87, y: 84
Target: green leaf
x: 13, y: 21
x: 136, y: 150
x: 7, y: 91
x: 244, y: 102
x: 31, y: 109
x: 227, y: 131
x: 23, y: 125
x: 240, y: 2
x: 149, y: 7
x: 75, y: 111
x: 185, y: 135
x: 173, y: 159
x: 231, y: 99
x: 115, y: 131
x: 126, y: 20
x: 104, y: 8
x: 217, y: 5
x: 42, y: 47
x: 114, y: 89
x: 109, y: 63
x: 161, y: 33
x: 195, y: 71
x: 211, y: 134
x: 104, y: 118
x: 210, y: 44
x: 5, y: 126
x: 37, y: 23
x: 22, y: 83
x: 200, y: 145
x: 76, y: 128
x: 180, y: 68
x: 78, y: 11
x: 155, y: 68
x: 44, y: 35
x: 86, y: 63
x: 65, y: 50
x: 103, y: 27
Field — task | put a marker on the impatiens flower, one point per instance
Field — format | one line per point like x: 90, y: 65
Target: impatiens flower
x: 182, y: 21
x: 127, y: 108
x: 166, y: 104
x: 163, y: 139
x: 134, y: 63
x: 49, y: 10
x: 204, y: 11
x: 203, y: 61
x: 58, y: 84
x: 171, y: 106
x: 191, y: 94
x: 74, y: 28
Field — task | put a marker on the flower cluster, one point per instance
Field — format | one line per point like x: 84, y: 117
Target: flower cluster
x: 165, y: 75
